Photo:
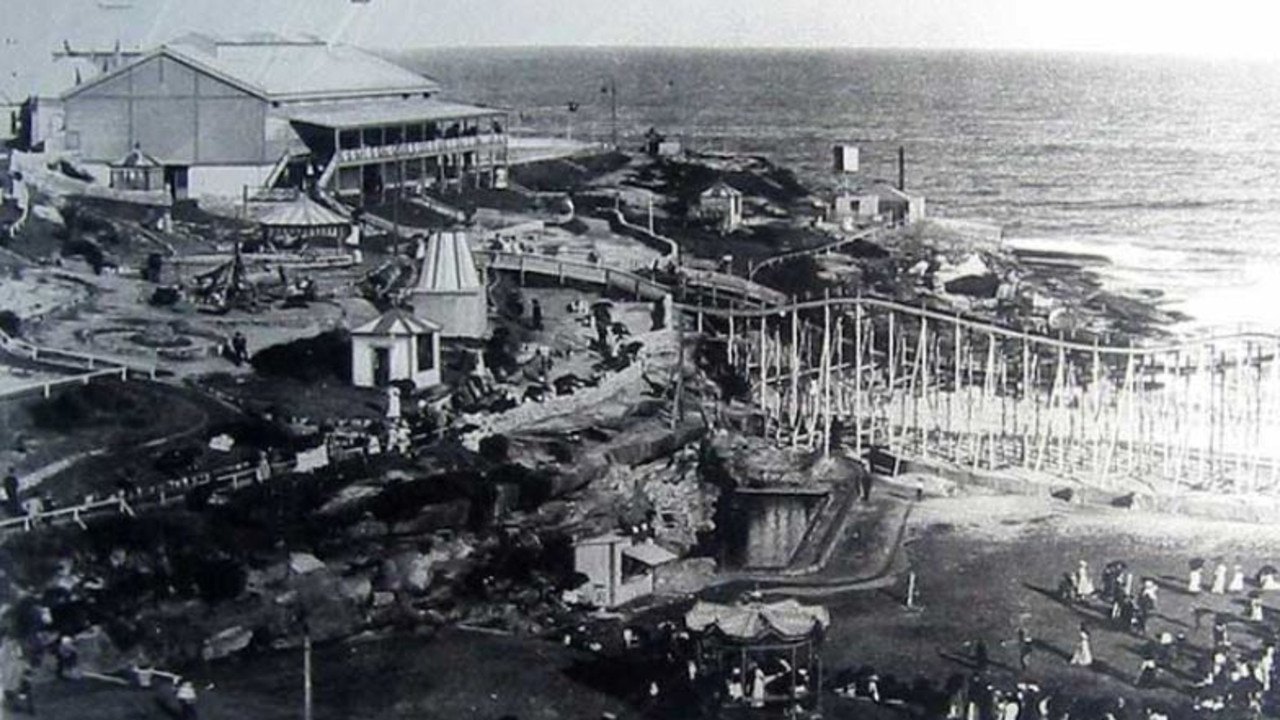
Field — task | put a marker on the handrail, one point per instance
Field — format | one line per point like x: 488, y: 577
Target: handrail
x: 745, y: 289
x: 159, y: 495
x: 801, y: 252
x: 46, y: 385
x: 1069, y: 345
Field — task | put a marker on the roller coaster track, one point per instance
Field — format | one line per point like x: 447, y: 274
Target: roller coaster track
x: 1196, y: 413
x: 810, y: 252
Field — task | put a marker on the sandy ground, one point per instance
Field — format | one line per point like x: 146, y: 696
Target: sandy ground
x: 34, y: 292
x: 987, y: 565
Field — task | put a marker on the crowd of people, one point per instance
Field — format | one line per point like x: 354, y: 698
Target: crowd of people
x: 1231, y: 673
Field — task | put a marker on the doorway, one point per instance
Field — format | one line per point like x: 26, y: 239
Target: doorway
x: 381, y: 367
x: 175, y: 178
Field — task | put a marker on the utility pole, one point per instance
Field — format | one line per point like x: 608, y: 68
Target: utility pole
x: 306, y: 672
x: 612, y: 89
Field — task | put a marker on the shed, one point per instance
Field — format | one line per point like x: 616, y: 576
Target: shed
x: 137, y: 171
x: 295, y: 223
x: 618, y: 569
x: 396, y: 346
x: 721, y: 203
x: 449, y: 287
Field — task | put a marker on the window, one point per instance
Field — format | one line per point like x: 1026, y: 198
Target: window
x: 426, y: 356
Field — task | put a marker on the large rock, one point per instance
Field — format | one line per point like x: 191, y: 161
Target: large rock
x: 358, y: 589
x: 228, y: 642
x: 683, y: 577
x: 304, y: 563
x: 406, y: 572
x: 754, y: 462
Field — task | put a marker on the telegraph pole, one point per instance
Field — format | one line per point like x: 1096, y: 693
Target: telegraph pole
x: 612, y: 89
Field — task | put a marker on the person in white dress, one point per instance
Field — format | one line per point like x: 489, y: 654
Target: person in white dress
x: 1237, y: 579
x: 1083, y: 655
x: 1219, y: 578
x: 1195, y: 579
x: 1267, y: 578
x: 1084, y: 583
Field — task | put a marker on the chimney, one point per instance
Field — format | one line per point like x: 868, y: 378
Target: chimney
x: 902, y: 168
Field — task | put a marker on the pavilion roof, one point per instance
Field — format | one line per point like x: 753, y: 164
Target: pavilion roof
x: 303, y: 212
x: 784, y: 619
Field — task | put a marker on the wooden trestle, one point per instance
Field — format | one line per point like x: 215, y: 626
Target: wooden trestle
x: 1199, y: 414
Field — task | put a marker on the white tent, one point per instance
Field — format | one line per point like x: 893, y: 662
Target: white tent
x: 450, y: 288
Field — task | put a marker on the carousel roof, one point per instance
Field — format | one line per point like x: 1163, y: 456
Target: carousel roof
x: 303, y: 212
x: 755, y: 621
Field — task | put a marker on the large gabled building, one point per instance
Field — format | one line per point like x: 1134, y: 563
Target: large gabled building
x: 229, y: 115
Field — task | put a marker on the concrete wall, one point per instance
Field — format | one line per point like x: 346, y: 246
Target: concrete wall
x: 227, y: 181
x: 768, y: 528
x: 177, y: 114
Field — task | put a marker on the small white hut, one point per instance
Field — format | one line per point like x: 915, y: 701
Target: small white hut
x: 721, y: 203
x: 137, y: 171
x: 396, y: 346
x: 450, y: 288
x: 618, y: 569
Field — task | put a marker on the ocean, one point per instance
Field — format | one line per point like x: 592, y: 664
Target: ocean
x: 1169, y: 167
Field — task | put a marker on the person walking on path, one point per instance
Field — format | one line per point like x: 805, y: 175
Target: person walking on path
x: 13, y: 492
x: 981, y: 658
x: 1084, y: 583
x: 1219, y: 586
x: 186, y: 696
x: 1237, y: 579
x: 1195, y: 577
x: 536, y: 316
x: 1083, y: 655
x: 1025, y: 647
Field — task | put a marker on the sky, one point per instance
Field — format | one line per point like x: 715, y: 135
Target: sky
x: 1222, y: 28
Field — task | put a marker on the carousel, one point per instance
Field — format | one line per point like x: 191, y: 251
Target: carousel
x: 304, y: 223
x: 764, y: 656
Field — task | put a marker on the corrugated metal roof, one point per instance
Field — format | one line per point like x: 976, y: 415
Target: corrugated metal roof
x: 298, y: 68
x: 42, y: 76
x: 447, y: 265
x: 387, y: 112
x: 396, y: 322
x: 303, y: 212
x: 650, y: 554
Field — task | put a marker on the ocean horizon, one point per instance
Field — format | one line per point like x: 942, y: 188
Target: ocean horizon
x: 1168, y: 166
